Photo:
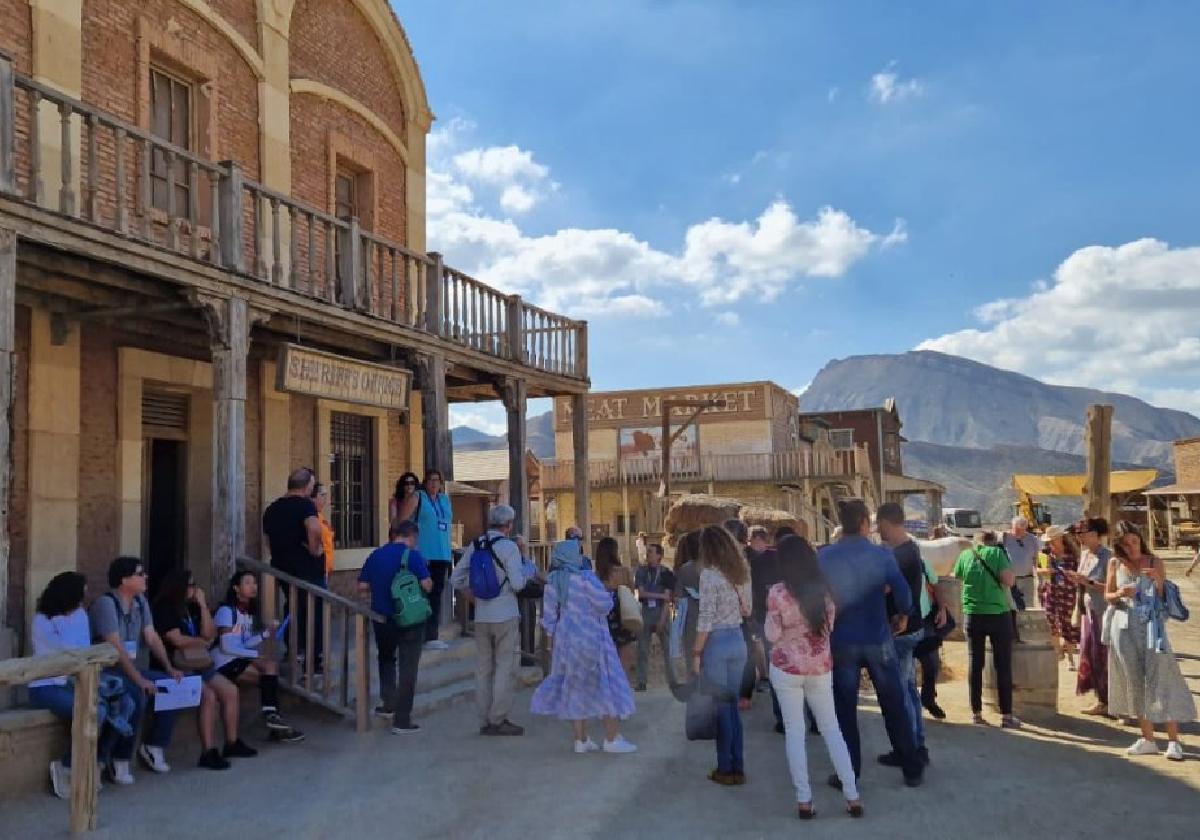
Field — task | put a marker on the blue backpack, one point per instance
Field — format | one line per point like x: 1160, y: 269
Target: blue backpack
x: 484, y: 580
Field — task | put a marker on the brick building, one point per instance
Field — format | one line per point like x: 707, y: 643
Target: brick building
x: 213, y: 270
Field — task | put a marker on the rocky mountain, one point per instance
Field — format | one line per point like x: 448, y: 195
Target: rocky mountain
x: 971, y: 426
x: 539, y: 428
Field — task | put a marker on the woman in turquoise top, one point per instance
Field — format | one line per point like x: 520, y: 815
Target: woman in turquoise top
x: 434, y: 516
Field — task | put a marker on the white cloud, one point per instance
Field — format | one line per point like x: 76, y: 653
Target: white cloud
x: 887, y: 86
x: 728, y: 319
x: 1120, y: 318
x: 605, y: 271
x: 517, y: 199
x: 799, y: 392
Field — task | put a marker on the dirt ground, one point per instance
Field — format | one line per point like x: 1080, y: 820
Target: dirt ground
x: 1068, y: 779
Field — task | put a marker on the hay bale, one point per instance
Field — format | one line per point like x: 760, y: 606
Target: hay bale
x: 769, y: 519
x: 699, y: 509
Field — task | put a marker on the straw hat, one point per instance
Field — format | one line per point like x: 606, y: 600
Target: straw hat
x: 1052, y: 533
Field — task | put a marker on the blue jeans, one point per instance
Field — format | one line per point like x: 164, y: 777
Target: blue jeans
x: 883, y: 666
x: 905, y: 645
x: 723, y: 662
x: 59, y: 700
x: 161, y: 725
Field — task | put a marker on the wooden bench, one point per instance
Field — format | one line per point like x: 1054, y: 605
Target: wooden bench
x: 84, y: 665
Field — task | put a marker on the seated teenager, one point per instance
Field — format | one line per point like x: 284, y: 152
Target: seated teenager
x: 62, y: 624
x: 122, y: 618
x: 237, y: 655
x: 181, y: 617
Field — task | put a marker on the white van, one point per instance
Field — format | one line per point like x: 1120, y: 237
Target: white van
x: 963, y: 522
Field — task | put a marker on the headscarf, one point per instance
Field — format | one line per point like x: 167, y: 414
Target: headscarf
x: 566, y: 559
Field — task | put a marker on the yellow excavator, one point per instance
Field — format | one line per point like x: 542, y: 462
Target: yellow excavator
x: 1122, y: 485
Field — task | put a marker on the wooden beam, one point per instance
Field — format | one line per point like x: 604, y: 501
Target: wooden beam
x: 435, y: 413
x: 8, y: 295
x: 85, y: 731
x: 518, y: 442
x: 579, y: 439
x: 1098, y: 447
x: 63, y: 663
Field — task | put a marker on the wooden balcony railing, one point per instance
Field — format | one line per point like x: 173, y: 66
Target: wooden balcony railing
x: 119, y: 177
x: 756, y: 466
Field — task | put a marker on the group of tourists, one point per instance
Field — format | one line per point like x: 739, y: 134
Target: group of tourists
x: 157, y: 644
x: 741, y: 608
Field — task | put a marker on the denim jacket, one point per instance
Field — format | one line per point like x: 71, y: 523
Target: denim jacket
x: 120, y: 707
x: 1150, y: 608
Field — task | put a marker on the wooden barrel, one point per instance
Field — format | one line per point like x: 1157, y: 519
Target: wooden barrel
x: 1034, y: 667
x: 949, y: 593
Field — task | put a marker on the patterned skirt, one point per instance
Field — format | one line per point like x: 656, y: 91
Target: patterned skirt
x: 1058, y: 599
x: 1093, y: 660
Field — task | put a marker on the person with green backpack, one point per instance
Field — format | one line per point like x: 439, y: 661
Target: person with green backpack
x: 397, y: 579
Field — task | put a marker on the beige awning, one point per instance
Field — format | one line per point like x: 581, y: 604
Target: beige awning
x: 1120, y: 481
x: 908, y: 484
x: 1175, y: 490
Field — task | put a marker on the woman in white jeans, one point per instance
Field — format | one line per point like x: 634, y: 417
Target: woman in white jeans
x: 799, y: 620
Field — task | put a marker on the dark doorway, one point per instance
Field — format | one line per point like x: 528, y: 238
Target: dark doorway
x: 166, y: 531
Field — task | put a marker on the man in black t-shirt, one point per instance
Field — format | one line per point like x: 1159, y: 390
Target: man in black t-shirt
x: 293, y: 531
x: 908, y: 627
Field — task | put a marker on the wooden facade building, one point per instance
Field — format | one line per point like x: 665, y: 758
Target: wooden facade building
x: 213, y: 270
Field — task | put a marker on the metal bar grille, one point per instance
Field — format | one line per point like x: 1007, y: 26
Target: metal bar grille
x: 353, y: 480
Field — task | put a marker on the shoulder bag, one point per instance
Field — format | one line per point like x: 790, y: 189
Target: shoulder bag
x: 631, y: 611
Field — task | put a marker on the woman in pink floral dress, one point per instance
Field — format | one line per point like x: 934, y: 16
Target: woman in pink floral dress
x: 800, y: 615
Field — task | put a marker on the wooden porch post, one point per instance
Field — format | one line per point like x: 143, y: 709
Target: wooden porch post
x: 229, y: 329
x: 8, y: 296
x: 515, y: 392
x: 1098, y: 445
x: 435, y: 415
x: 8, y: 170
x: 579, y: 436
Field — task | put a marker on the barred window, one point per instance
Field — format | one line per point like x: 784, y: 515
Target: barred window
x: 841, y: 438
x: 352, y: 479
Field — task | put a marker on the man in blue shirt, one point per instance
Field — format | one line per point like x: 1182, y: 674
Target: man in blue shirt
x: 399, y: 647
x: 861, y: 574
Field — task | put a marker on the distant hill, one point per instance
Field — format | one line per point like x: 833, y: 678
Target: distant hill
x: 971, y: 426
x: 539, y: 428
x: 957, y: 402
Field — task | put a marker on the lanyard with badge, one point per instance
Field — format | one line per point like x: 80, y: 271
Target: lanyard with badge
x: 443, y: 517
x: 130, y: 645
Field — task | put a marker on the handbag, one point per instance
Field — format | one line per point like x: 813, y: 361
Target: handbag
x: 192, y: 659
x: 700, y: 719
x: 631, y: 610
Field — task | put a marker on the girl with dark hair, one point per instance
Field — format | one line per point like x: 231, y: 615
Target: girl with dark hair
x: 434, y: 517
x: 613, y: 575
x: 61, y: 623
x: 719, y: 652
x: 800, y: 615
x: 1091, y: 576
x: 238, y: 655
x: 402, y: 506
x: 181, y: 617
x: 1144, y: 680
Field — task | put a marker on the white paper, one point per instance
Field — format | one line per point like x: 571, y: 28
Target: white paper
x: 184, y: 694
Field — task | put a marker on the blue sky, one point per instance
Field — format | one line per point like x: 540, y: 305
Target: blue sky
x: 746, y: 190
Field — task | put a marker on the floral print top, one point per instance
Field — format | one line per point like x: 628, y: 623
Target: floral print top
x: 795, y: 649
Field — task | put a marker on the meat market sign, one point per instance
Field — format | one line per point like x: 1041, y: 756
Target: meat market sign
x: 302, y: 370
x: 620, y: 409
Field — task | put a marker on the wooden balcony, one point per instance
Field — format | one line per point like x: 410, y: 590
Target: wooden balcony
x: 255, y: 238
x: 779, y: 467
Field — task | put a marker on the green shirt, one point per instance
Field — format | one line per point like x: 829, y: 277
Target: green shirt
x: 981, y: 594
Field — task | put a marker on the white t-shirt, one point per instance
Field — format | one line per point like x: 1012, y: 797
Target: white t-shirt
x: 244, y: 641
x: 63, y: 632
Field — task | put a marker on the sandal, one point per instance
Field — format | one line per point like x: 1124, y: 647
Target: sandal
x: 854, y: 809
x: 805, y: 811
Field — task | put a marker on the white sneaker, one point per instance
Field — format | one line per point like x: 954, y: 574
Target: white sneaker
x: 153, y: 758
x: 619, y: 745
x: 60, y: 779
x: 436, y: 644
x: 1174, y: 751
x: 1143, y: 747
x: 588, y: 746
x: 119, y: 773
